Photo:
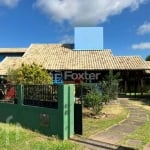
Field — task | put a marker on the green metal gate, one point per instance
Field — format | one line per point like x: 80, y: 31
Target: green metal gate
x: 78, y: 129
x: 78, y: 123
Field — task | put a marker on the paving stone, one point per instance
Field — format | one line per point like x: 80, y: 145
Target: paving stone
x: 137, y: 119
x: 130, y: 122
x: 95, y: 145
x: 126, y: 129
x: 136, y: 123
x: 134, y: 143
x: 138, y: 115
x: 109, y: 138
x: 139, y: 111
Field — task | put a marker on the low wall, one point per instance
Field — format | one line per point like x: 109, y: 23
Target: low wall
x: 48, y: 121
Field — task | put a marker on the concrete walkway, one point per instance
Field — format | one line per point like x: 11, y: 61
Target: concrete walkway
x: 137, y: 117
x: 112, y: 136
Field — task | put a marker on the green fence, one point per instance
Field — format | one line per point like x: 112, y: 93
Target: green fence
x: 49, y: 121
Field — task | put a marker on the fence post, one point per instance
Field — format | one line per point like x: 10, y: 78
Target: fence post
x: 71, y: 99
x: 20, y: 94
x: 63, y: 111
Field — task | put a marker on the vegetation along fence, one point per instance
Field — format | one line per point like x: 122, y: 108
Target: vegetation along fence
x: 46, y: 108
x: 8, y: 93
x: 41, y: 95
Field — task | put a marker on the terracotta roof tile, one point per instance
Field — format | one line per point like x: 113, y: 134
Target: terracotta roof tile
x: 9, y: 63
x: 57, y: 57
x: 60, y: 57
x: 12, y: 50
x: 129, y: 62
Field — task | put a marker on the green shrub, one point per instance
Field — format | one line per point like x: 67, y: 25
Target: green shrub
x: 86, y: 88
x: 106, y: 98
x: 94, y: 99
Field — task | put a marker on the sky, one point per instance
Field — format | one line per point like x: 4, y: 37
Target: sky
x: 126, y: 23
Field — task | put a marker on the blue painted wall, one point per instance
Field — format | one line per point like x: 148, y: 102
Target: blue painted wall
x: 88, y: 38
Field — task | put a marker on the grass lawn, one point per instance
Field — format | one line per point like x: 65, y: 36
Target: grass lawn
x: 16, y: 138
x: 116, y: 113
x: 142, y: 133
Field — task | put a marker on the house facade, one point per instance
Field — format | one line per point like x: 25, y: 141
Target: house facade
x: 11, y: 52
x: 84, y: 61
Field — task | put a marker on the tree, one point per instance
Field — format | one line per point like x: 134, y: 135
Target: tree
x: 29, y: 74
x: 147, y: 58
x: 110, y: 86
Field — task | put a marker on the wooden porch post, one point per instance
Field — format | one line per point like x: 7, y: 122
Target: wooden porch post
x: 125, y: 86
x: 142, y: 85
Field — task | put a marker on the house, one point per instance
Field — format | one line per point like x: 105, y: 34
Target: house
x: 85, y: 61
x: 11, y: 52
